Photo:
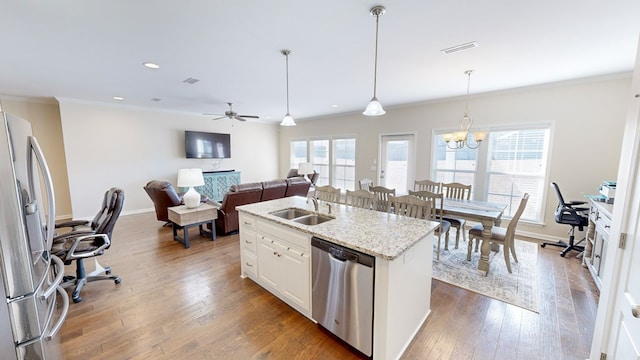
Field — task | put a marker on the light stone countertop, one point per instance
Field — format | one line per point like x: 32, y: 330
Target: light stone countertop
x: 372, y: 232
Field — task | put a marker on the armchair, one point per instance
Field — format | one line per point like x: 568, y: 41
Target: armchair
x: 164, y: 195
x: 87, y: 239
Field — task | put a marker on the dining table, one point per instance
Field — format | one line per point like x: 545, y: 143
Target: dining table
x: 489, y: 214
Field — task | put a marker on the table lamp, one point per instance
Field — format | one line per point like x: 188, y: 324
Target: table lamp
x: 190, y: 178
x: 305, y: 169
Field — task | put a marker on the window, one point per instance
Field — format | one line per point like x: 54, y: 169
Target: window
x: 320, y: 160
x: 509, y: 163
x: 344, y: 164
x: 518, y: 165
x: 455, y: 165
x: 333, y: 158
x: 298, y: 152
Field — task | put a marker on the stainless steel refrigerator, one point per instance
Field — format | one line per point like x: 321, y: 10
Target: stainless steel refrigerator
x: 30, y: 316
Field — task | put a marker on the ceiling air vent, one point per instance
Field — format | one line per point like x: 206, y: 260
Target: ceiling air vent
x: 190, y: 80
x: 460, y: 47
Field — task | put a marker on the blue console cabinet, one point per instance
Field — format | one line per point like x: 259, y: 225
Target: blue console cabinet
x: 216, y: 184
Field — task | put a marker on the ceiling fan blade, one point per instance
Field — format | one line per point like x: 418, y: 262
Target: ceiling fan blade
x: 218, y: 118
x: 250, y: 116
x: 237, y: 117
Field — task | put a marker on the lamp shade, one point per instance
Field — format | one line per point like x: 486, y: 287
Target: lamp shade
x: 190, y: 177
x: 288, y: 121
x: 374, y: 108
x: 305, y: 168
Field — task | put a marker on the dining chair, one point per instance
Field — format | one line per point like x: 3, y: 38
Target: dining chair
x: 382, y: 197
x: 427, y: 185
x: 327, y: 193
x: 499, y: 235
x: 365, y: 184
x: 360, y: 198
x: 409, y: 205
x: 458, y: 191
x: 437, y: 203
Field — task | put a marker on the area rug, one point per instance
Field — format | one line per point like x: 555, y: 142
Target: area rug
x: 520, y: 288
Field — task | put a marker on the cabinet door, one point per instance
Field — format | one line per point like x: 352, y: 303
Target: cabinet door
x: 296, y: 281
x: 268, y: 261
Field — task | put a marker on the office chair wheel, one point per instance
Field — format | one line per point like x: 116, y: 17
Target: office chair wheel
x: 117, y: 280
x: 76, y: 299
x: 542, y: 245
x: 563, y: 254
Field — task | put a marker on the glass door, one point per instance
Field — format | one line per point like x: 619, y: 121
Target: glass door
x: 397, y: 162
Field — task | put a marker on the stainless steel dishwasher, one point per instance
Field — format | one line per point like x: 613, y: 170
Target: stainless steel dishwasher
x: 342, y: 294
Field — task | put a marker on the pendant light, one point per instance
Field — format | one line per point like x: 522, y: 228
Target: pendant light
x: 375, y: 108
x: 458, y: 140
x: 288, y: 119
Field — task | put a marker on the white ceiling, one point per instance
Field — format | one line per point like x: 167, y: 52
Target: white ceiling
x: 94, y: 49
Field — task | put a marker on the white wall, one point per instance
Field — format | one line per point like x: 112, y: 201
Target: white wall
x: 108, y: 145
x: 44, y: 116
x: 587, y: 116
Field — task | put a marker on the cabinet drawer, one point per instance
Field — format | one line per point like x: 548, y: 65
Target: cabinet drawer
x: 286, y: 236
x: 603, y: 223
x: 247, y: 221
x: 248, y: 239
x: 249, y: 264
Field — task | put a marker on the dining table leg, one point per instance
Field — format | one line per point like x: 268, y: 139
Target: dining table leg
x: 485, y: 248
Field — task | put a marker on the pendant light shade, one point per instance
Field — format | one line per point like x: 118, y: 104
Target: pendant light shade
x: 375, y: 108
x: 288, y: 119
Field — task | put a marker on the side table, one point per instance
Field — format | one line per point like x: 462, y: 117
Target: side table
x: 183, y: 218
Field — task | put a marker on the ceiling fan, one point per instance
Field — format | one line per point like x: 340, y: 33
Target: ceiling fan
x: 234, y: 115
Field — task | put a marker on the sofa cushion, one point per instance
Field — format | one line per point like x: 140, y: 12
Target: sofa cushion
x: 246, y: 187
x: 273, y: 189
x: 297, y: 186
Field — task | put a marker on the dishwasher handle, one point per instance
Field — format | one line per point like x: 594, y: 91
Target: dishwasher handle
x: 342, y: 255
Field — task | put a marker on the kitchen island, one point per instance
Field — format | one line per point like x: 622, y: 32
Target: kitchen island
x: 275, y: 253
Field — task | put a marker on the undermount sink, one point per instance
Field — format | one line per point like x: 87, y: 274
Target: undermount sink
x: 313, y: 219
x: 290, y: 213
x: 302, y: 216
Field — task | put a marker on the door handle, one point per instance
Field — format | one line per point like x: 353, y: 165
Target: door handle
x: 635, y: 307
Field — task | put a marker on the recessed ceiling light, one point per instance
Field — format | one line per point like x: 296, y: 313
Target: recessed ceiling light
x: 334, y: 106
x: 151, y: 65
x: 119, y: 98
x: 460, y: 47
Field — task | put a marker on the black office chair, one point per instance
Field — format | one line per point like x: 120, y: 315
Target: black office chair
x: 88, y: 239
x: 569, y: 214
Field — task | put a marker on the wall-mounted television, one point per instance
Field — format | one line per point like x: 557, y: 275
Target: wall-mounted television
x: 206, y: 145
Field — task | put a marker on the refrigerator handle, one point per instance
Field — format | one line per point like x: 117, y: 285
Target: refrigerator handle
x: 46, y: 175
x: 59, y: 265
x: 63, y: 314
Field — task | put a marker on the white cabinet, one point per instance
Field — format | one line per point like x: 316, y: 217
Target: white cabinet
x: 597, y: 237
x: 278, y: 259
x: 248, y: 246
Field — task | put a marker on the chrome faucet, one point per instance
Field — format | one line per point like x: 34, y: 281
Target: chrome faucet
x: 315, y: 203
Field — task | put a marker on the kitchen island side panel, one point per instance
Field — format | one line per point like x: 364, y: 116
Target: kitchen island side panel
x: 402, y: 299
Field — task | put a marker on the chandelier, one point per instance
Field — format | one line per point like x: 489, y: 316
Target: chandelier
x: 459, y: 139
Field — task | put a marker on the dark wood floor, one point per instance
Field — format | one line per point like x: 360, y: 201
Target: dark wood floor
x: 177, y: 303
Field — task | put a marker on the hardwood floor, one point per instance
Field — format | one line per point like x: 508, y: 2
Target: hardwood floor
x: 177, y: 303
